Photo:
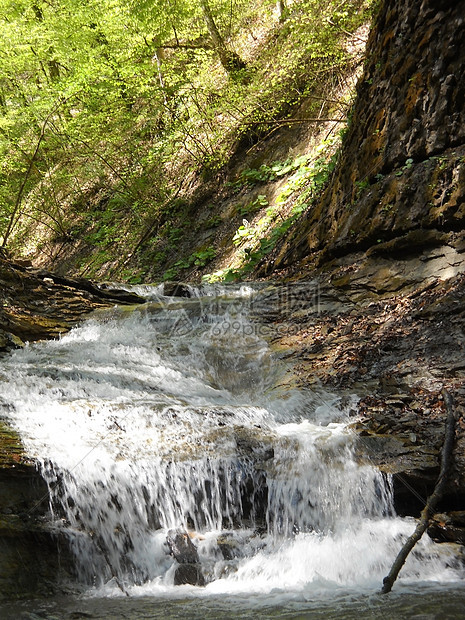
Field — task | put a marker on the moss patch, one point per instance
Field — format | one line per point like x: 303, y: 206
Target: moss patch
x: 11, y: 448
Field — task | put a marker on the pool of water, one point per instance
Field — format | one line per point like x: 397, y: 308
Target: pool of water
x: 421, y: 602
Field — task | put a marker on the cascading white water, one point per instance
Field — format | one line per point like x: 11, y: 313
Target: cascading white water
x: 170, y: 416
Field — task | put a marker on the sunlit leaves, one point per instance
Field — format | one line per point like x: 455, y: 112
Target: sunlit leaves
x: 131, y: 97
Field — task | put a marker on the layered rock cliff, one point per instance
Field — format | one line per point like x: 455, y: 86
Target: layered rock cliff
x: 400, y: 183
x: 387, y: 241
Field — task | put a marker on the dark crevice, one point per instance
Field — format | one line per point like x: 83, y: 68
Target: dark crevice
x: 397, y: 166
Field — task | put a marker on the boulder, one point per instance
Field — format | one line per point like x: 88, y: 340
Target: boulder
x: 185, y: 553
x: 229, y: 547
x: 9, y: 341
x: 448, y: 527
x: 189, y: 574
x: 176, y: 289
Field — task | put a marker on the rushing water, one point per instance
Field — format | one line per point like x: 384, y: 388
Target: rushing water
x: 176, y: 417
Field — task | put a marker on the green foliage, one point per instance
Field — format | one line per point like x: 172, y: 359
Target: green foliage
x: 361, y: 187
x: 212, y: 222
x: 128, y: 100
x: 303, y: 188
x: 408, y: 164
x: 265, y: 173
x: 202, y: 257
x: 171, y: 274
x: 254, y: 206
x: 242, y: 233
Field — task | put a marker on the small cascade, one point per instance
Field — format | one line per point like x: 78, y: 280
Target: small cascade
x: 172, y: 421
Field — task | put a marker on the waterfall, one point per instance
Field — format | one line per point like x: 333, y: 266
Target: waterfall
x: 177, y: 418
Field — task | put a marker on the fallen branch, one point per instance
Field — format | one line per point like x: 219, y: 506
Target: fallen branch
x: 433, y: 499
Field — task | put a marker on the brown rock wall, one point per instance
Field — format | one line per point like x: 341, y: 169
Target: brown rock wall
x: 402, y: 165
x: 36, y: 305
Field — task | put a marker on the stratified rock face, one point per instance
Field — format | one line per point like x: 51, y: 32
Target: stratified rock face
x: 37, y: 305
x: 412, y: 96
x: 389, y: 230
x: 32, y: 557
x: 402, y: 166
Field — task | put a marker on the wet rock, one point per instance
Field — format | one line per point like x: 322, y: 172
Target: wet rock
x: 255, y: 450
x: 33, y: 559
x: 184, y: 551
x: 39, y: 305
x: 254, y: 443
x: 190, y: 574
x: 82, y: 284
x: 229, y: 547
x: 396, y: 349
x: 9, y: 341
x: 404, y: 438
x: 448, y: 527
x: 176, y: 289
x: 182, y: 548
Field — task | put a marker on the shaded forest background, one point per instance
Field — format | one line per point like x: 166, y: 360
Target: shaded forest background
x: 164, y: 140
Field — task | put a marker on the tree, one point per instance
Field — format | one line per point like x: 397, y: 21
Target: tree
x: 230, y: 60
x: 108, y: 106
x: 281, y: 9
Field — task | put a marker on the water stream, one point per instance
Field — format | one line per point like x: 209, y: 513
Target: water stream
x: 176, y: 418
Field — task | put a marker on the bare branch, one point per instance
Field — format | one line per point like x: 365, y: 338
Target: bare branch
x: 187, y: 46
x: 432, y: 501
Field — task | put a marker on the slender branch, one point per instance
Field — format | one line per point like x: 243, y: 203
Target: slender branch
x: 432, y: 501
x: 346, y: 32
x: 94, y: 152
x: 19, y: 197
x: 16, y: 212
x: 34, y: 218
x: 291, y: 121
x: 152, y: 225
x: 187, y: 46
x: 161, y: 79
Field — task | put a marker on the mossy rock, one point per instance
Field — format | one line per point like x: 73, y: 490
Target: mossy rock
x: 9, y: 341
x: 11, y: 448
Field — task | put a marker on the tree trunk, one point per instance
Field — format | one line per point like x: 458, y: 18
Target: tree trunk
x: 281, y: 10
x: 229, y: 59
x: 158, y: 57
x: 54, y: 69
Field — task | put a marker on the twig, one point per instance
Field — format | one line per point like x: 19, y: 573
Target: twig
x: 149, y: 230
x: 187, y: 46
x: 289, y: 121
x: 432, y: 501
x: 349, y: 34
x: 15, y: 215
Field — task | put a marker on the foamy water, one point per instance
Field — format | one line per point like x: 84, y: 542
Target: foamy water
x: 169, y: 416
